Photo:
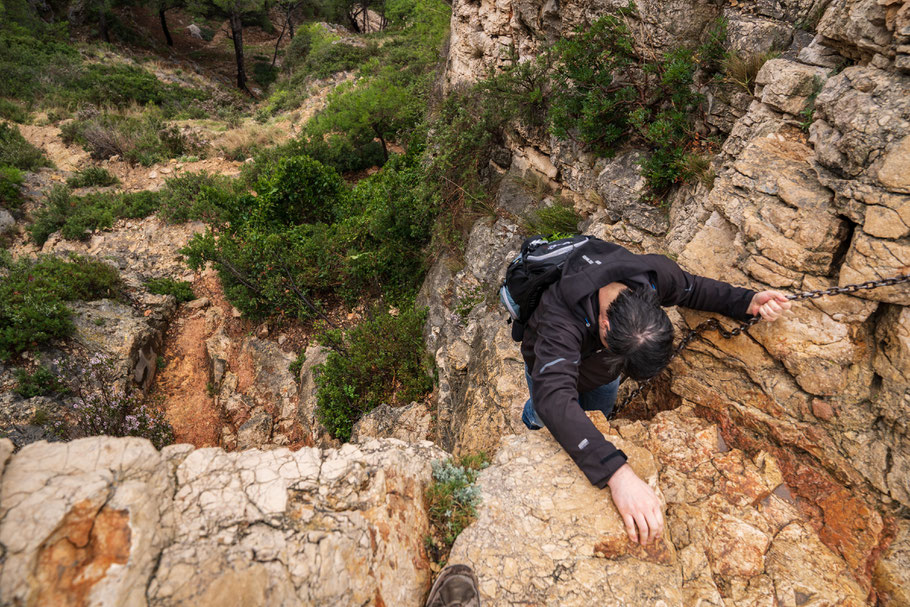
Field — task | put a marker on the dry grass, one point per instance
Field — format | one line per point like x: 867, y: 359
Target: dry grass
x: 741, y: 69
x: 243, y: 142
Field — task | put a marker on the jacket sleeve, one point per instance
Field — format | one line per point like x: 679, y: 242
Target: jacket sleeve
x: 676, y: 287
x: 555, y: 392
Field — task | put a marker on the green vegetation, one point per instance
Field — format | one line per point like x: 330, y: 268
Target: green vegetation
x: 144, y: 140
x: 808, y: 113
x: 16, y: 152
x: 40, y: 70
x: 381, y: 360
x: 190, y: 196
x: 451, y: 500
x: 101, y: 408
x: 77, y: 216
x: 296, y: 366
x: 609, y: 93
x: 180, y: 289
x: 33, y: 292
x: 10, y: 187
x: 40, y: 382
x: 552, y: 222
x: 194, y: 196
x: 307, y: 236
x: 92, y: 176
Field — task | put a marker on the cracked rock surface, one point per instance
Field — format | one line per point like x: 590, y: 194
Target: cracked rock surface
x: 105, y: 521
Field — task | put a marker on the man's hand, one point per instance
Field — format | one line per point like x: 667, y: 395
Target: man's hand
x: 769, y: 304
x: 637, y: 504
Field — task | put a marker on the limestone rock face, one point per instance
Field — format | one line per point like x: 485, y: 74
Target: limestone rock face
x: 481, y: 375
x: 822, y: 392
x: 544, y: 535
x: 82, y: 523
x: 104, y: 521
x: 483, y: 31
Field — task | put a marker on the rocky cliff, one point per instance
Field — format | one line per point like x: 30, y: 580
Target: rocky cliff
x: 783, y: 456
x: 795, y: 205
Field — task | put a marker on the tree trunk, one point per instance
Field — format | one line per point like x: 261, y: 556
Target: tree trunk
x: 237, y: 35
x: 385, y: 150
x: 352, y: 17
x: 167, y: 32
x: 290, y: 21
x: 277, y: 42
x: 102, y: 24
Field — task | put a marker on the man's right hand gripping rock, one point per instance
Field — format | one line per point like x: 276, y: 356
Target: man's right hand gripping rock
x: 638, y: 506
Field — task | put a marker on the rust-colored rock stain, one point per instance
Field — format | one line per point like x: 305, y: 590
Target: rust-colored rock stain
x: 78, y: 554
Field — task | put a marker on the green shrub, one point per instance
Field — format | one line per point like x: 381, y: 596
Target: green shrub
x: 10, y: 187
x: 297, y: 366
x: 299, y: 190
x: 452, y: 500
x: 40, y: 382
x: 144, y: 140
x: 711, y: 52
x: 32, y: 296
x: 78, y: 216
x: 609, y: 94
x: 194, y: 196
x: 92, y: 176
x: 12, y: 111
x: 375, y: 243
x: 180, y: 289
x: 16, y: 152
x: 379, y: 360
x: 264, y: 73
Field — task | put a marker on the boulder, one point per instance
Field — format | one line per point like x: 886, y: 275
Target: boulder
x: 113, y: 522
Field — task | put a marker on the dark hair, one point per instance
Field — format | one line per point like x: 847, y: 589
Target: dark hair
x: 640, y: 338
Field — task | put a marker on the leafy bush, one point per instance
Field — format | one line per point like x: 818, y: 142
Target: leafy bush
x: 711, y: 52
x: 608, y: 93
x: 193, y: 196
x: 92, y: 176
x: 180, y: 289
x: 379, y: 360
x: 103, y: 408
x: 16, y: 152
x: 452, y: 499
x: 144, y: 140
x: 77, y: 216
x: 40, y: 382
x: 12, y: 111
x: 264, y: 73
x: 10, y: 187
x: 298, y: 190
x: 374, y: 243
x: 32, y: 296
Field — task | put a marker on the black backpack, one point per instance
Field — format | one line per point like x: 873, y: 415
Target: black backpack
x: 538, y: 265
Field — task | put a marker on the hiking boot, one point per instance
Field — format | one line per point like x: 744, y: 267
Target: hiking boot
x: 456, y: 586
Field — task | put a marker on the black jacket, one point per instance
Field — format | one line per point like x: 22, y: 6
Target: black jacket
x: 562, y: 348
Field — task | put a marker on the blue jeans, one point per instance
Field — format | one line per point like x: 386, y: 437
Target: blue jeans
x: 601, y: 399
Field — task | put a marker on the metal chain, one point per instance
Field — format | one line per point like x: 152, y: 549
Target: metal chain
x: 713, y: 323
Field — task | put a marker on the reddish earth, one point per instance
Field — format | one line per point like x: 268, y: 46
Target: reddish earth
x: 78, y: 554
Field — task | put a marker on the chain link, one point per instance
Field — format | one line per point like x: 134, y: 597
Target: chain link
x: 713, y: 323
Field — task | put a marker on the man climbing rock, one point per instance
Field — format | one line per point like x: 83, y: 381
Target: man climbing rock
x: 603, y: 319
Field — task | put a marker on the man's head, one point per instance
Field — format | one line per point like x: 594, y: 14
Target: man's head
x: 640, y: 335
